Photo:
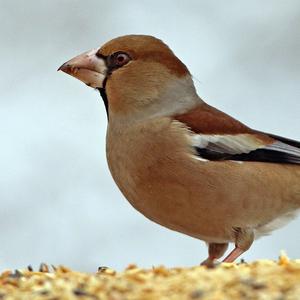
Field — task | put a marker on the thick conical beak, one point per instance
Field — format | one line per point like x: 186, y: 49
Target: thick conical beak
x: 87, y: 67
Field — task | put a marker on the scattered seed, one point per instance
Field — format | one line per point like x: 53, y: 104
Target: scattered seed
x: 197, y: 294
x: 30, y: 268
x: 44, y: 268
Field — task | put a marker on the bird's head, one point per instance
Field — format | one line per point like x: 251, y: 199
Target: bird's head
x: 137, y: 76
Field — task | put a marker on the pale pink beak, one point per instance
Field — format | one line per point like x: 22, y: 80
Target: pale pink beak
x: 87, y: 67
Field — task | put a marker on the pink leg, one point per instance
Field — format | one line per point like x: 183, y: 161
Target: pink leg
x: 233, y: 255
x: 215, y: 251
x: 243, y: 240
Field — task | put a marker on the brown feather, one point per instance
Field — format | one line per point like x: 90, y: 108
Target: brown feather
x: 206, y: 119
x: 142, y: 47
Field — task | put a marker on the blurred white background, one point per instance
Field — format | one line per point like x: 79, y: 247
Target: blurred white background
x: 58, y: 202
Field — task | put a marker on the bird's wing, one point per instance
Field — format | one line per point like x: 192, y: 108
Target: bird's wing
x: 217, y: 136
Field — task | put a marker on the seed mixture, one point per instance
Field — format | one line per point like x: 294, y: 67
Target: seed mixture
x: 264, y: 279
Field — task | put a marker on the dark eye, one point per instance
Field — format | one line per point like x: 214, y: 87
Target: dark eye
x: 120, y: 59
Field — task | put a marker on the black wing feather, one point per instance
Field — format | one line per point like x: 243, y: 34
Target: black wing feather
x: 259, y: 155
x: 286, y: 151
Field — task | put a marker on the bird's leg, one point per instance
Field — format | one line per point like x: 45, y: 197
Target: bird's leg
x: 243, y: 241
x: 233, y: 255
x: 215, y: 251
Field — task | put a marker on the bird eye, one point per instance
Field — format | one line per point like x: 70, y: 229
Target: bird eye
x: 120, y: 59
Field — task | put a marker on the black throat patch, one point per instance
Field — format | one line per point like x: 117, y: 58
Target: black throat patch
x: 111, y: 64
x: 105, y: 100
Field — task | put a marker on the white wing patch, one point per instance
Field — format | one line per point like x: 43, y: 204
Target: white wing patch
x: 230, y: 144
x: 244, y: 147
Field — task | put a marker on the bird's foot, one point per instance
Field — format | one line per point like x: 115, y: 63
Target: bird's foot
x: 210, y: 263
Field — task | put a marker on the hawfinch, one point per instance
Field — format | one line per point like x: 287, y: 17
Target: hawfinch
x: 181, y: 162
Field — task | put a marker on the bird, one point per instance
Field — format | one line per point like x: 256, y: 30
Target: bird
x: 181, y: 162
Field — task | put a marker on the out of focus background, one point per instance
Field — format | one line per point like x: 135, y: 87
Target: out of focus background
x: 58, y: 202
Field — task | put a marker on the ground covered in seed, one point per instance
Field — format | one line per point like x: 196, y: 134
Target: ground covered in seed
x: 263, y: 279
